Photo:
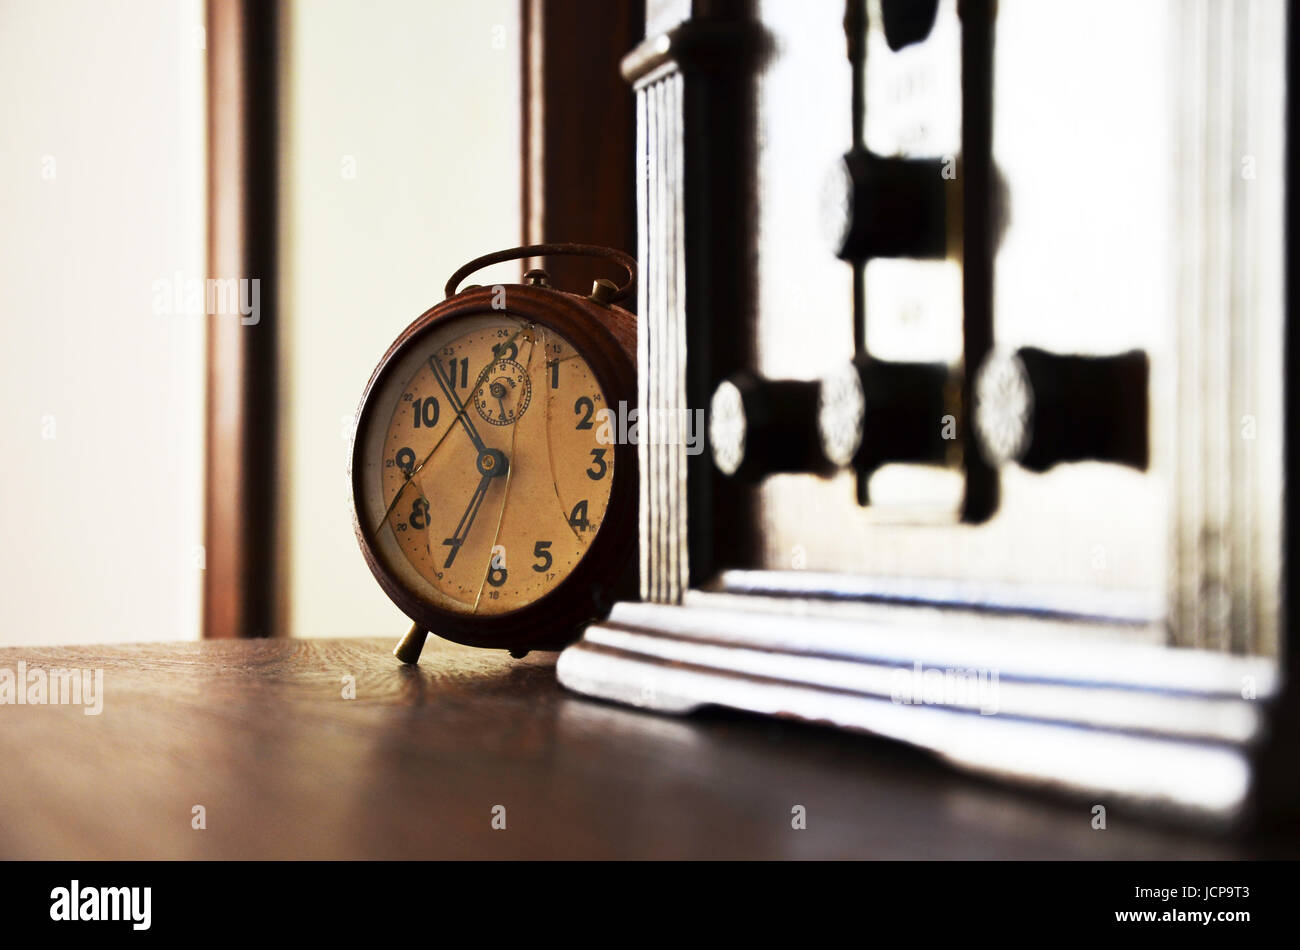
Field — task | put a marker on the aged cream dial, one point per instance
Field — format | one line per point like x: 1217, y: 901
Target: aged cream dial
x: 497, y: 463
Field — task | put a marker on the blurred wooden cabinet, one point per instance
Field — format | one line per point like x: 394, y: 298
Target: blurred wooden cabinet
x: 1029, y: 302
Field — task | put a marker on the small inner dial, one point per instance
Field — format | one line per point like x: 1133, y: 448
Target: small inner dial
x: 504, y: 393
x: 498, y: 460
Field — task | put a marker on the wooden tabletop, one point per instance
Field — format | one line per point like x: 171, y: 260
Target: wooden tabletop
x: 259, y: 733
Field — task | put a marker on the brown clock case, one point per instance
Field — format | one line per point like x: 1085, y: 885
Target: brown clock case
x: 605, y: 334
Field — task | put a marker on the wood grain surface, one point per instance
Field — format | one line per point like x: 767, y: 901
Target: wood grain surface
x: 258, y: 732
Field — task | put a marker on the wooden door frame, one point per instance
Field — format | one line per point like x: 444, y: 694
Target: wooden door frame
x: 241, y: 515
x: 578, y: 130
x: 578, y: 184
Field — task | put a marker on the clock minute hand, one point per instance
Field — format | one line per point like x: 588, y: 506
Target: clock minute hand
x: 457, y: 405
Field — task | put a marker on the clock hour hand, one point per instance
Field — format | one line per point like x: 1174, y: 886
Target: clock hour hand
x: 491, y: 464
x: 466, y: 521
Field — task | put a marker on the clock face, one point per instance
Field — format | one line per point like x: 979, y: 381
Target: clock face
x: 490, y: 464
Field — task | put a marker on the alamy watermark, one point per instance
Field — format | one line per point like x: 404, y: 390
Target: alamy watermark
x: 55, y: 687
x: 933, y: 686
x: 78, y: 902
x: 636, y: 426
x: 215, y: 297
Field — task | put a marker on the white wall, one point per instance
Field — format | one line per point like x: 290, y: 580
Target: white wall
x: 101, y: 195
x: 401, y: 162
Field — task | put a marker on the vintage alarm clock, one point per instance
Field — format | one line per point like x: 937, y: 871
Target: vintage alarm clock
x: 492, y: 497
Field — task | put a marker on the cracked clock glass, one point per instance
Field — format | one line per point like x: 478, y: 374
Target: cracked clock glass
x: 495, y: 467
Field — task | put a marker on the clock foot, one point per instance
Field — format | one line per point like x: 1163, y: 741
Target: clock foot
x: 409, y: 647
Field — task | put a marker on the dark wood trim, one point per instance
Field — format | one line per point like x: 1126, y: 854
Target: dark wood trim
x: 1289, y: 636
x: 578, y: 131
x: 982, y: 488
x: 241, y: 531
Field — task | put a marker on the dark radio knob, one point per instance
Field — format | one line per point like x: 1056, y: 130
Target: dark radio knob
x: 759, y: 427
x: 887, y: 207
x: 907, y: 21
x: 873, y: 412
x: 1038, y: 408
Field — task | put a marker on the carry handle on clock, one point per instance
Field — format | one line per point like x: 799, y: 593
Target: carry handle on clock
x: 626, y: 261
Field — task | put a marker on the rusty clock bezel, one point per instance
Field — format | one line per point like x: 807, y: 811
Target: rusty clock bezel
x: 604, y: 335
